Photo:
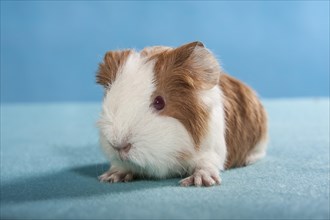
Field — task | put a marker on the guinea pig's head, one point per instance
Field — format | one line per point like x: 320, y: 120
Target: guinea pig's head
x: 153, y: 113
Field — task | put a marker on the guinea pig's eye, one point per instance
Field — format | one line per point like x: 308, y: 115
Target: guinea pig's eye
x: 159, y: 103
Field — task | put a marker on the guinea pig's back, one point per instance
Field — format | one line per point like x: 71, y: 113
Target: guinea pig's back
x: 246, y: 123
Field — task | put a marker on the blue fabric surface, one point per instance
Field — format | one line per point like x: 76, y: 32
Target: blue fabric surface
x: 50, y: 159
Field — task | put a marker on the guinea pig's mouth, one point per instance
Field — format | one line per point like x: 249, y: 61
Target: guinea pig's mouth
x: 123, y: 152
x: 123, y: 156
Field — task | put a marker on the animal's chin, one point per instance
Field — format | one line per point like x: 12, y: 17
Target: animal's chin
x: 132, y: 162
x: 123, y: 157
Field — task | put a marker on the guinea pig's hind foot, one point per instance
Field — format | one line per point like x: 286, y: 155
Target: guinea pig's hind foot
x: 116, y: 176
x: 202, y: 178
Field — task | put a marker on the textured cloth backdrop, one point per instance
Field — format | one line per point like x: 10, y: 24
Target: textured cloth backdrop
x: 50, y: 160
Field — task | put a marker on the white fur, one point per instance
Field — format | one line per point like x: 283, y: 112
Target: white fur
x: 258, y: 152
x: 213, y: 147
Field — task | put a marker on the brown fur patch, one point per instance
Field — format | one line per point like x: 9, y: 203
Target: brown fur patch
x: 179, y: 75
x: 108, y: 69
x: 246, y: 120
x: 152, y: 51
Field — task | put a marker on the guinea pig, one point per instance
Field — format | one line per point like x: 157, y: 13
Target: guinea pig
x: 173, y: 112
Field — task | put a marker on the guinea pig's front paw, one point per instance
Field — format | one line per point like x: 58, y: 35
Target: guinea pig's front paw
x: 113, y: 176
x: 202, y: 177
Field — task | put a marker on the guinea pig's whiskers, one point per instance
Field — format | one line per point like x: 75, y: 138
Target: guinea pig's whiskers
x: 110, y: 143
x: 103, y: 123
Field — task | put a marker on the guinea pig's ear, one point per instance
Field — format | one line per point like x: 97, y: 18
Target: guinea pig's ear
x: 108, y: 69
x: 200, y: 63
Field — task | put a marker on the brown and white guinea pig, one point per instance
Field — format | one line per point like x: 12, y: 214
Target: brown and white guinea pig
x: 171, y: 112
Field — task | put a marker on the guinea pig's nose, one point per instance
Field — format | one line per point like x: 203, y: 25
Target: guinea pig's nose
x: 123, y: 147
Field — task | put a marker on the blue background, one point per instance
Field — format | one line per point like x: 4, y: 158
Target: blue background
x: 50, y: 50
x: 50, y: 155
